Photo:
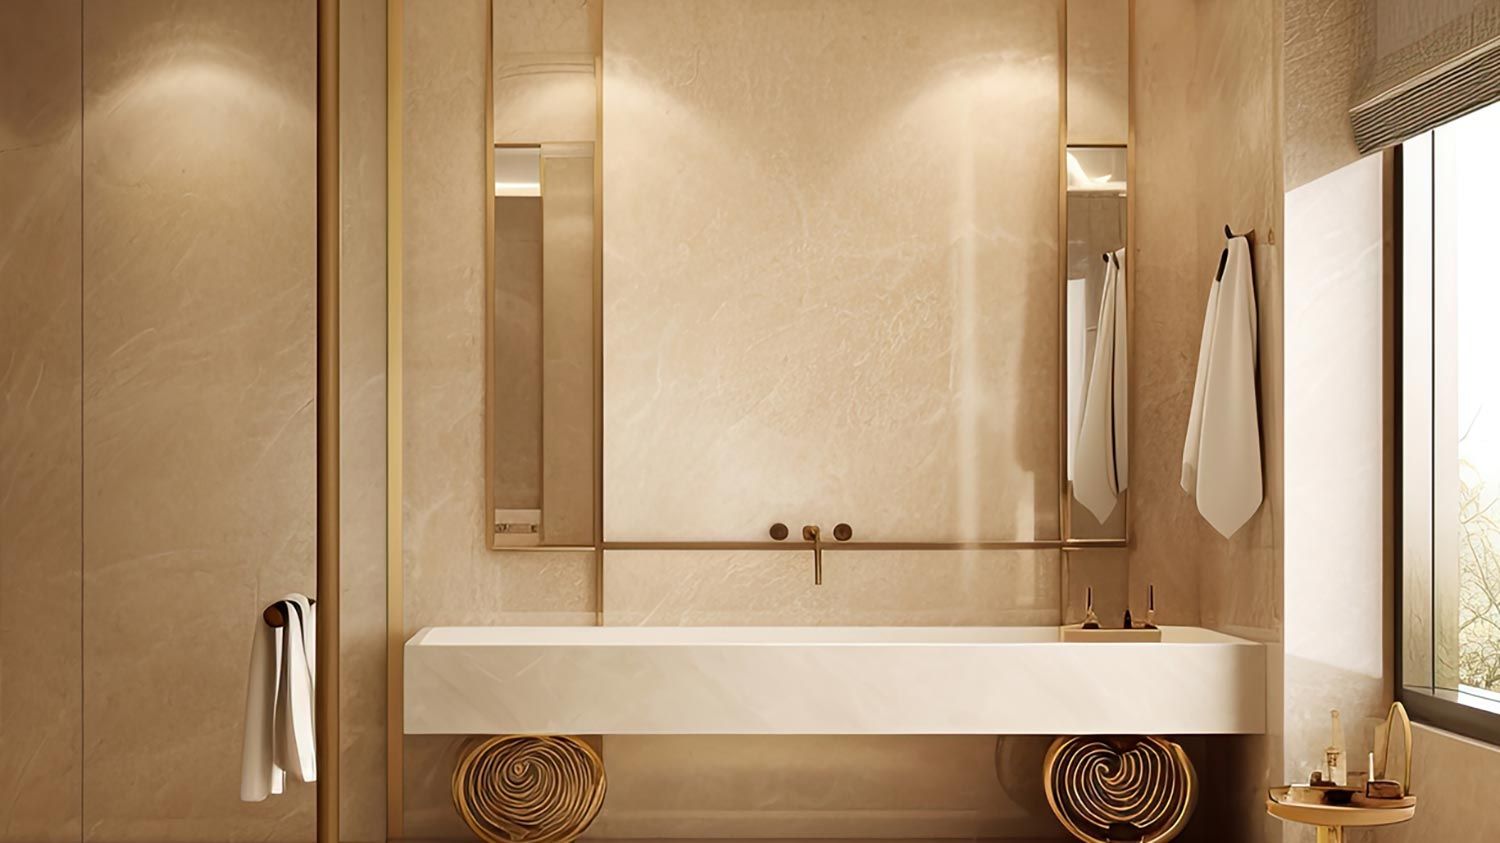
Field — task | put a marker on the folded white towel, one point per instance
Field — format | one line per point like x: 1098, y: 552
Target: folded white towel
x: 1221, y: 457
x: 1101, y: 463
x: 279, y: 719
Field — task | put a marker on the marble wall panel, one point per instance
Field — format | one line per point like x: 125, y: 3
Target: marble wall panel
x: 362, y: 670
x: 1107, y: 572
x: 830, y: 295
x: 1202, y: 73
x: 544, y: 71
x: 860, y: 588
x: 198, y: 398
x: 1170, y: 288
x: 1237, y: 93
x: 1455, y: 779
x: 1098, y: 71
x: 450, y: 576
x: 41, y: 550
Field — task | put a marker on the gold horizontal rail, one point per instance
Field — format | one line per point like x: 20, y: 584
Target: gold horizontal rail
x: 1037, y: 544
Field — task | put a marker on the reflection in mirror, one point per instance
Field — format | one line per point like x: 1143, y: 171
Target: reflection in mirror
x: 1098, y: 456
x: 516, y: 425
x: 542, y: 407
x: 542, y: 476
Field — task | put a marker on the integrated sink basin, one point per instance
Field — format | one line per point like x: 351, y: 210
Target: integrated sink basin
x: 828, y: 680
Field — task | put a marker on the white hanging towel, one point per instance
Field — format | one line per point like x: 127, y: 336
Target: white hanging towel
x: 1221, y: 457
x: 1101, y: 466
x: 279, y: 702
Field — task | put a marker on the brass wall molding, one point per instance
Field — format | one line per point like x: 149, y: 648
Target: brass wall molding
x: 395, y: 624
x: 1037, y: 544
x: 1126, y: 787
x: 329, y: 241
x: 537, y: 789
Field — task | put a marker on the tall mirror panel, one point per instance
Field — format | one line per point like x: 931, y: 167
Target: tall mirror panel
x: 1096, y: 271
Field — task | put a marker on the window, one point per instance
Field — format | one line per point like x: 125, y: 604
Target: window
x: 1449, y: 613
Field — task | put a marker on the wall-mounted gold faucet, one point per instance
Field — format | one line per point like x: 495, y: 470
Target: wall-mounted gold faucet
x: 812, y: 534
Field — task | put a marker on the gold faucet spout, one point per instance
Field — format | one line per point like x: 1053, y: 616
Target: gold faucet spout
x: 812, y: 534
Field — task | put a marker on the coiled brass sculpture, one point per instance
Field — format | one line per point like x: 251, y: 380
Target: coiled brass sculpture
x: 1106, y: 789
x: 528, y: 789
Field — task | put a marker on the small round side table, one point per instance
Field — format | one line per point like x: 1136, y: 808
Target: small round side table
x: 1331, y: 820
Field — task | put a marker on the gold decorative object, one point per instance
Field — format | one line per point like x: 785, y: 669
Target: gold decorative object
x: 1107, y: 789
x: 516, y: 788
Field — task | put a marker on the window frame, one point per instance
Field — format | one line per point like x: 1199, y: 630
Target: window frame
x: 1439, y: 708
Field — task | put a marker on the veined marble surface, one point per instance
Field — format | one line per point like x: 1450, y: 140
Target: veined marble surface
x: 827, y: 680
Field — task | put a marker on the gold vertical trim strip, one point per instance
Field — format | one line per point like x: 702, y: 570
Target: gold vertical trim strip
x: 596, y: 33
x: 394, y: 572
x: 1130, y: 248
x: 489, y: 279
x: 328, y: 230
x: 1064, y: 493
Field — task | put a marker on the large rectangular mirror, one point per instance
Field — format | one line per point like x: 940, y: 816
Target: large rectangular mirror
x: 542, y: 407
x: 1096, y: 271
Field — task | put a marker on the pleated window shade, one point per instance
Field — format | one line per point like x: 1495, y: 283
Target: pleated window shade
x: 1439, y: 96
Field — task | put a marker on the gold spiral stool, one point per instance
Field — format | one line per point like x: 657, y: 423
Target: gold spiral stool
x: 1106, y: 789
x: 515, y: 788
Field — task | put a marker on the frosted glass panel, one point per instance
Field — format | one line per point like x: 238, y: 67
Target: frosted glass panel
x: 830, y: 269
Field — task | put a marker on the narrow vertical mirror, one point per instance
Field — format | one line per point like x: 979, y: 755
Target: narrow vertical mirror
x: 543, y: 269
x: 542, y: 338
x: 1096, y: 272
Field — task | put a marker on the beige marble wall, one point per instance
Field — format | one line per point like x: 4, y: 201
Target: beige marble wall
x: 1206, y: 87
x: 198, y: 398
x: 544, y: 71
x: 1238, y: 94
x: 1168, y: 537
x: 821, y: 293
x: 1098, y: 71
x: 860, y: 588
x: 41, y: 549
x: 362, y: 357
x: 172, y: 500
x: 1454, y: 778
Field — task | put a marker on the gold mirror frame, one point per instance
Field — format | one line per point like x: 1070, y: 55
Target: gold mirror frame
x: 1067, y: 503
x: 596, y: 43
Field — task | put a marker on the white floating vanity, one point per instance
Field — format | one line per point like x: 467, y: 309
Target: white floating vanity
x: 828, y: 680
